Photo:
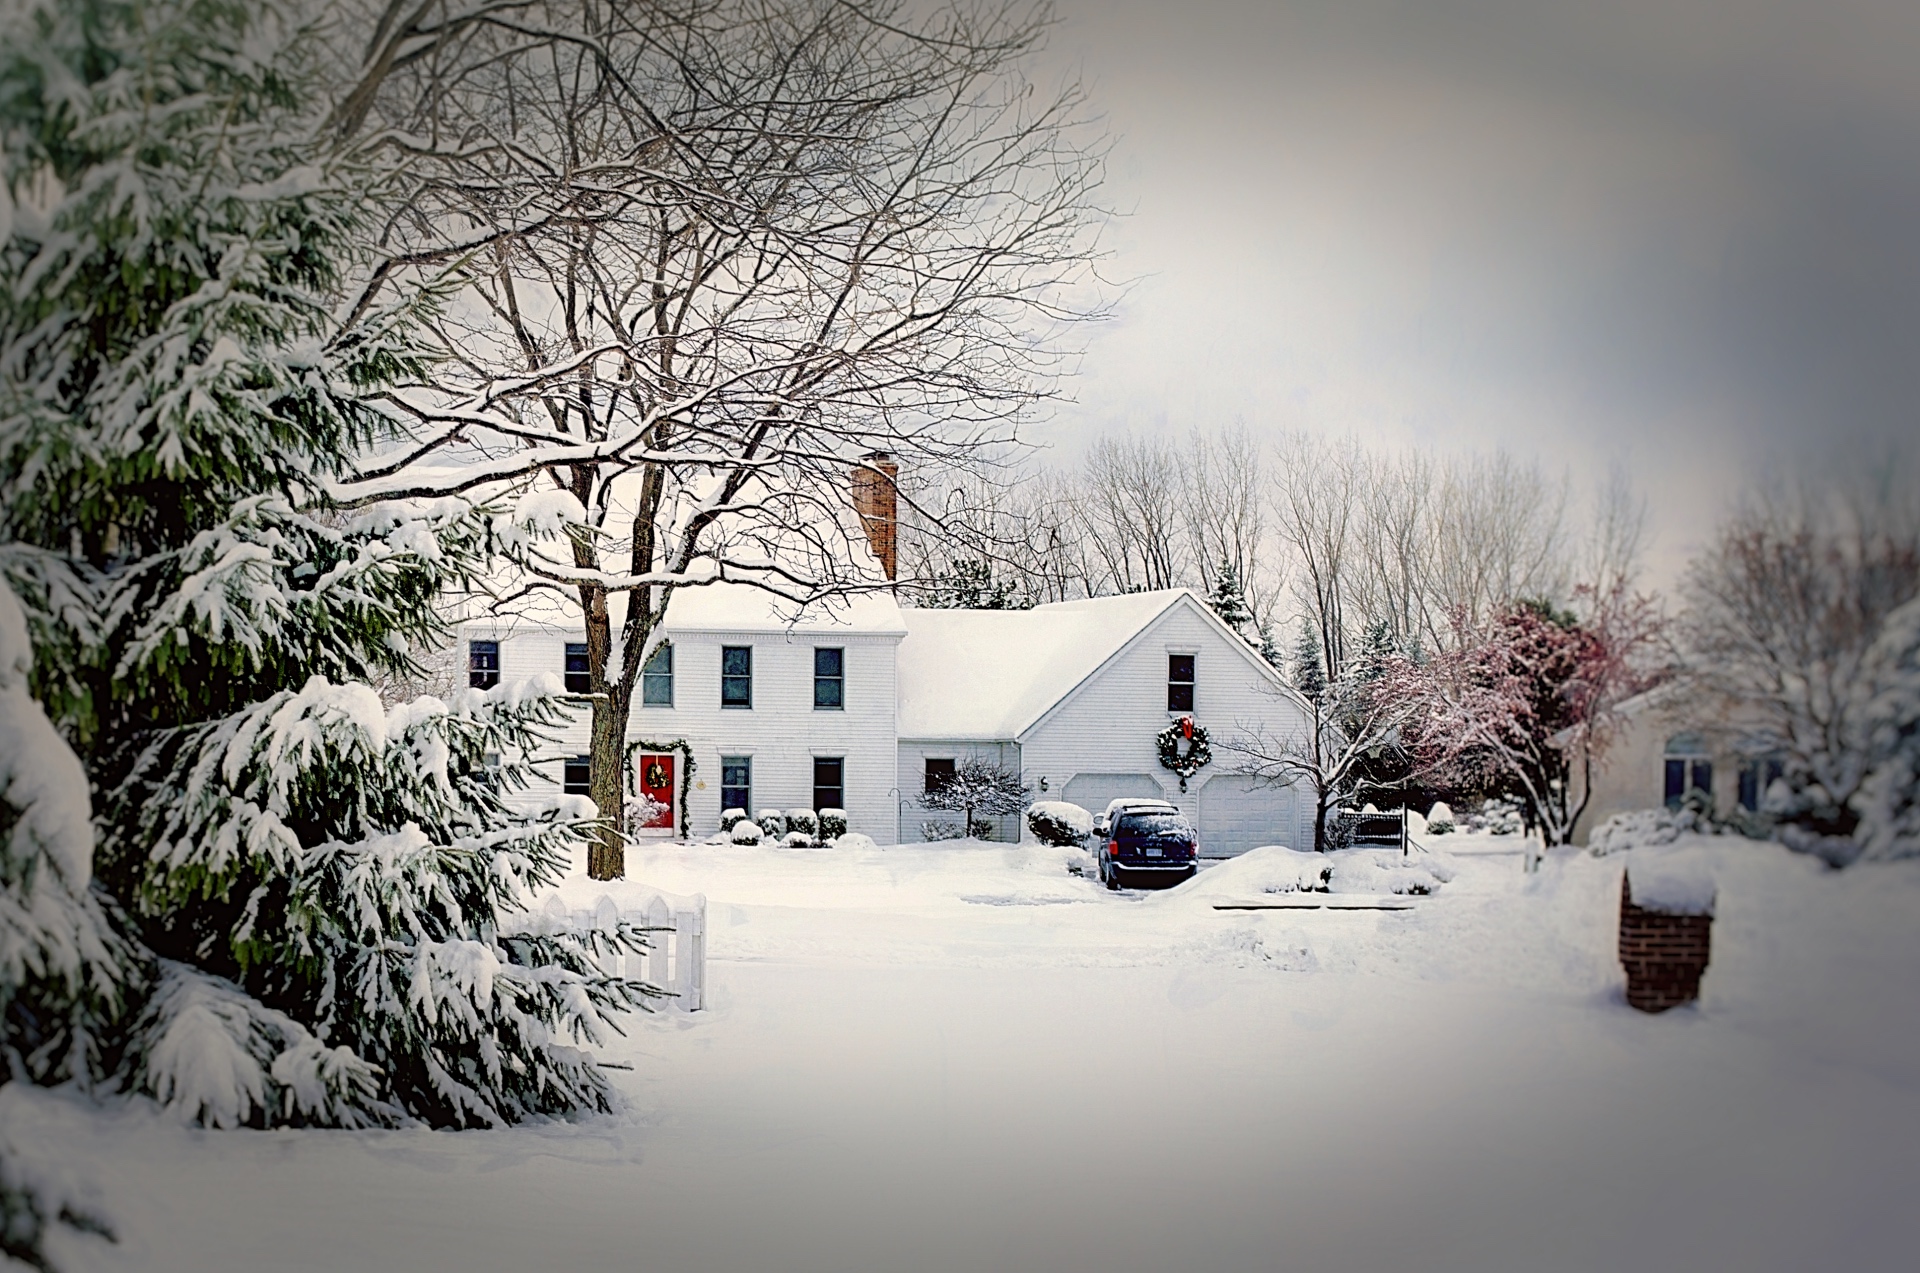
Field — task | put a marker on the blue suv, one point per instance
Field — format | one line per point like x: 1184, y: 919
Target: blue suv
x: 1157, y: 845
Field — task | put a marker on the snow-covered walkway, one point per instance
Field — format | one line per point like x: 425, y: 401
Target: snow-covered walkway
x: 938, y: 1057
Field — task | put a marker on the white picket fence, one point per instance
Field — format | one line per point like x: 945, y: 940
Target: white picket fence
x: 676, y: 958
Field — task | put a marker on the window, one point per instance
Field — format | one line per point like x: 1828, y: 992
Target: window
x: 1756, y: 775
x: 578, y: 679
x: 736, y: 783
x: 1180, y: 682
x: 576, y: 777
x: 656, y: 678
x: 829, y: 783
x: 939, y: 774
x: 1689, y: 768
x: 829, y: 681
x: 736, y: 677
x: 483, y: 664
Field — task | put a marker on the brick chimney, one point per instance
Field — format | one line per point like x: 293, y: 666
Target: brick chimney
x: 877, y: 500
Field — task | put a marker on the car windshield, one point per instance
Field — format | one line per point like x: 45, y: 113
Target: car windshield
x: 1155, y: 824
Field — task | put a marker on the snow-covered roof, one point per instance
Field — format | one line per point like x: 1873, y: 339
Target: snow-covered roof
x: 979, y: 674
x: 733, y: 607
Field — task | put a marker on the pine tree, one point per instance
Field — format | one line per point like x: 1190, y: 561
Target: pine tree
x: 1309, y: 677
x: 1228, y: 596
x: 332, y: 892
x: 968, y: 584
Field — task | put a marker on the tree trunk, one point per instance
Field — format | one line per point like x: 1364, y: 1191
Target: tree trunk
x: 606, y: 855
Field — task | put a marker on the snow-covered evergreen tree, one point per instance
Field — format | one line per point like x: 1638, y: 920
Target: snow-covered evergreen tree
x: 1308, y: 676
x: 333, y: 890
x: 1228, y: 596
x: 969, y: 584
x: 1888, y: 803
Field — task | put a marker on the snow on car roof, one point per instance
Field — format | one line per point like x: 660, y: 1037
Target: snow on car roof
x: 992, y: 673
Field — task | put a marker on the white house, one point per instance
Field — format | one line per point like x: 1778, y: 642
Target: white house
x: 865, y: 707
x: 1075, y: 695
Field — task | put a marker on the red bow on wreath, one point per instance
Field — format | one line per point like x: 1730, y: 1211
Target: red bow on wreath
x: 1186, y: 727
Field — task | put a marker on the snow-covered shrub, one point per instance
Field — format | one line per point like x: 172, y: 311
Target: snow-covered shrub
x: 1888, y: 803
x: 730, y: 818
x: 1440, y: 819
x: 773, y: 822
x: 857, y: 842
x: 180, y: 384
x: 942, y: 831
x: 803, y: 821
x: 1059, y: 823
x: 1497, y: 817
x: 833, y: 824
x: 48, y: 1210
x: 1643, y: 828
x: 797, y: 840
x: 747, y: 831
x: 645, y: 813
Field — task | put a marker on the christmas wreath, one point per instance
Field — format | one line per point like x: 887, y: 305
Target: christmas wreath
x: 1197, y: 753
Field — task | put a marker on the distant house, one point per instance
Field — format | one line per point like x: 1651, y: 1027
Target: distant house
x: 1668, y: 749
x: 868, y: 706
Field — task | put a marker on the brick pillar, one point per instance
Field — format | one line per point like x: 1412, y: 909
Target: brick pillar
x: 1664, y: 955
x: 876, y: 498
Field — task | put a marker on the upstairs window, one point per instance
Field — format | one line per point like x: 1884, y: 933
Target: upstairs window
x: 939, y: 775
x: 1180, y: 682
x: 576, y: 777
x: 736, y: 783
x: 829, y: 682
x: 829, y: 783
x: 736, y: 676
x: 483, y: 664
x: 578, y: 678
x: 656, y: 678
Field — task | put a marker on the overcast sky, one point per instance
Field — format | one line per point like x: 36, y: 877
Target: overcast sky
x: 1681, y: 234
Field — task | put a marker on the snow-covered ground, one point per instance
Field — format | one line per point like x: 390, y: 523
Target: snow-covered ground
x: 963, y: 1057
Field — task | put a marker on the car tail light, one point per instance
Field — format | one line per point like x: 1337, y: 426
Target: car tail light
x: 1113, y: 848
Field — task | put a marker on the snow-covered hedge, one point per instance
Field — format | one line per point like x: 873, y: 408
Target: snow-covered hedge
x: 803, y: 820
x: 942, y: 831
x: 1644, y: 828
x: 833, y: 823
x: 772, y: 821
x: 747, y: 831
x: 1440, y: 819
x: 857, y: 842
x: 729, y: 818
x: 797, y: 840
x: 1059, y: 823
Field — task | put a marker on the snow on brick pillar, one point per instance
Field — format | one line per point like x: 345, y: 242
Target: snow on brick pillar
x: 1666, y: 934
x: 877, y: 500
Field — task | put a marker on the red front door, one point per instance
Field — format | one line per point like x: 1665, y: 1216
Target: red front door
x: 656, y: 787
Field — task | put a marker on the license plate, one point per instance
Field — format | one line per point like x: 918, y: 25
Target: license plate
x: 1153, y: 853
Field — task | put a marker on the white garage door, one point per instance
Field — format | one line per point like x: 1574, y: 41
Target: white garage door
x: 1237, y: 814
x: 1093, y: 792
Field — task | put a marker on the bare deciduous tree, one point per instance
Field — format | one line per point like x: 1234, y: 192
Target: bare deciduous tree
x: 694, y: 262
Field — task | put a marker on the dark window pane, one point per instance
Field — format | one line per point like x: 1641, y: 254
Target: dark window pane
x: 1180, y: 682
x: 1750, y: 784
x: 656, y: 678
x: 828, y: 662
x: 1676, y: 782
x: 736, y: 782
x: 576, y: 780
x: 1703, y: 776
x: 736, y: 676
x: 578, y: 681
x: 829, y: 786
x: 483, y: 664
x: 939, y: 774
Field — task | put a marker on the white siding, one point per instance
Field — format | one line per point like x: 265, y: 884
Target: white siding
x: 914, y: 754
x: 782, y: 731
x: 1109, y: 724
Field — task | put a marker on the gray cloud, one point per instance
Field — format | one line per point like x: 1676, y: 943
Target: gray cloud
x: 1680, y: 235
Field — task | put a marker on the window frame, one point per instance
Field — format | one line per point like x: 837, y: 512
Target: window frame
x: 839, y: 785
x: 744, y: 762
x: 726, y: 676
x: 584, y: 683
x: 838, y: 680
x: 650, y: 674
x: 571, y: 786
x: 1176, y: 687
x: 479, y: 677
x: 1687, y: 766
